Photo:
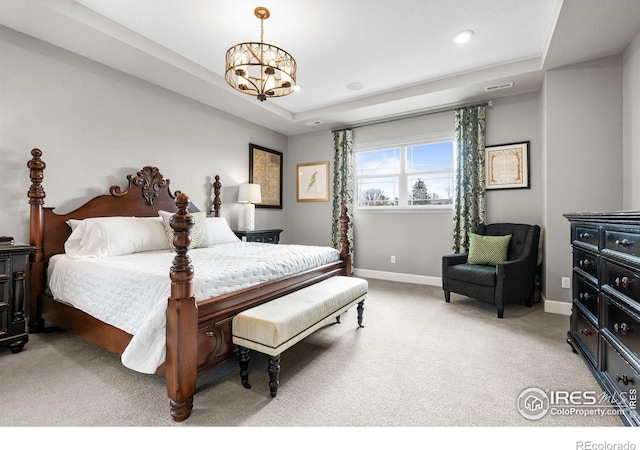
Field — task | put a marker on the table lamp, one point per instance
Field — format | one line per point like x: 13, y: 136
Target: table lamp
x: 249, y: 194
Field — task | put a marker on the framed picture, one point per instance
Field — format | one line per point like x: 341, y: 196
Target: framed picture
x: 313, y: 182
x: 507, y: 166
x: 265, y: 169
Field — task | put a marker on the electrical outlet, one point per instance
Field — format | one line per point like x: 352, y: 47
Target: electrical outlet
x: 393, y: 260
x: 566, y: 282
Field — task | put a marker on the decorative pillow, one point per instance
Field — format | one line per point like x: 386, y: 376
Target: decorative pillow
x: 219, y: 232
x: 113, y: 236
x: 487, y: 250
x: 199, y: 236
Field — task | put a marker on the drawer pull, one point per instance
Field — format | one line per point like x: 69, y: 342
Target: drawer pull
x: 584, y: 296
x: 209, y: 333
x: 625, y: 282
x: 586, y: 332
x: 625, y: 243
x: 625, y: 379
x: 584, y: 236
x: 584, y: 263
x: 622, y: 328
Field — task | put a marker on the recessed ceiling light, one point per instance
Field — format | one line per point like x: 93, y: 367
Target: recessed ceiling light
x: 463, y: 36
x: 355, y: 86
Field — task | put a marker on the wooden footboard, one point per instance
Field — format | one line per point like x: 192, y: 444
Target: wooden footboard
x: 198, y: 335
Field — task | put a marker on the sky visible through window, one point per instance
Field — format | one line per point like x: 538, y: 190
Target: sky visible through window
x: 384, y: 169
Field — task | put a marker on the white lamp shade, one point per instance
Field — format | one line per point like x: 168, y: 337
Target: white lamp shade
x: 249, y: 193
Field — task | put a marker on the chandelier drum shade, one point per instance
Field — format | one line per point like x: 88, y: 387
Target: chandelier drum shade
x: 259, y: 69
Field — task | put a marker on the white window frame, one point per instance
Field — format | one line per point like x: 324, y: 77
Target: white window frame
x: 403, y: 203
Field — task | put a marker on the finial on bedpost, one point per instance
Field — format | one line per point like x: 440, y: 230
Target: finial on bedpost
x: 36, y: 172
x: 216, y: 197
x: 36, y: 196
x: 345, y: 253
x: 182, y: 318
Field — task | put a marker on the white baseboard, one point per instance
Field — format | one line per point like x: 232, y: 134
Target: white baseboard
x: 550, y: 306
x: 400, y: 277
x: 557, y: 307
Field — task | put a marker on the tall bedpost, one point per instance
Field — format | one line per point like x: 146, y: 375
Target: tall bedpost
x: 216, y: 197
x: 345, y: 253
x: 182, y: 319
x: 37, y: 272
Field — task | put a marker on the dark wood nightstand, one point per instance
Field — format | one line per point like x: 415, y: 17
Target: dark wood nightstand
x: 13, y: 293
x: 266, y: 236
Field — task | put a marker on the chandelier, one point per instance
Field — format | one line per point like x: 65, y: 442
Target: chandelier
x: 260, y: 69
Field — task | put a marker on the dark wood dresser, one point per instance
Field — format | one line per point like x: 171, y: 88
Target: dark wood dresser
x: 266, y: 236
x: 605, y: 315
x: 13, y: 292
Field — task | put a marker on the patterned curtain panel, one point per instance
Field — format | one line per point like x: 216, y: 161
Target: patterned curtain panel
x: 469, y: 192
x: 342, y: 185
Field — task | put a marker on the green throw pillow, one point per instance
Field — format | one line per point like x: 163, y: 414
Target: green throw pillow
x: 487, y: 250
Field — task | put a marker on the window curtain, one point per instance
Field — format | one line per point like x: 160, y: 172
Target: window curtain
x: 469, y: 191
x: 342, y: 185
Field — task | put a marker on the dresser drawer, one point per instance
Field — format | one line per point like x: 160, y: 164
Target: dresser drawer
x: 586, y: 235
x: 585, y: 331
x: 585, y: 261
x: 4, y: 318
x: 623, y: 324
x: 620, y: 372
x: 622, y: 279
x: 586, y: 294
x: 624, y: 242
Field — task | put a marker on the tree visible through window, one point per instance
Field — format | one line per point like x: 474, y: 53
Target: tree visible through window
x: 416, y: 175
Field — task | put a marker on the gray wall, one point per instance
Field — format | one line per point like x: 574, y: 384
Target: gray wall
x: 308, y: 222
x: 631, y: 130
x: 96, y: 125
x: 583, y: 165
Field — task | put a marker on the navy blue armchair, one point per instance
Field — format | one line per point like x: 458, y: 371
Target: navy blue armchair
x: 512, y: 281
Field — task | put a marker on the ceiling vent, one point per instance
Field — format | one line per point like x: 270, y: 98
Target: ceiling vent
x: 496, y: 87
x: 314, y: 123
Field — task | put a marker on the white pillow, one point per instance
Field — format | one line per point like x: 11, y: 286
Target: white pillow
x: 199, y: 236
x: 113, y: 236
x: 73, y: 223
x: 219, y: 231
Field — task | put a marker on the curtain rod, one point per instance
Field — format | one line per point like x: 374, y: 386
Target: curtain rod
x: 411, y: 116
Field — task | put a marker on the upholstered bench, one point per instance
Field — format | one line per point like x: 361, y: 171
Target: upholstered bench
x: 273, y: 327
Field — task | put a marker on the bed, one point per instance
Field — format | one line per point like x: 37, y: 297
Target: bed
x: 200, y: 289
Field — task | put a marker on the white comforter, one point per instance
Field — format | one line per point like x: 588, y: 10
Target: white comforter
x: 130, y: 292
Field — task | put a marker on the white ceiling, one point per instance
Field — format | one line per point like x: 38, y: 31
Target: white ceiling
x: 401, y: 51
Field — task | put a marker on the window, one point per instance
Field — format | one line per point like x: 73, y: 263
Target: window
x: 417, y: 175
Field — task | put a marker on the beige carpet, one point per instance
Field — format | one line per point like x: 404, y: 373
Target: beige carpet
x: 419, y: 362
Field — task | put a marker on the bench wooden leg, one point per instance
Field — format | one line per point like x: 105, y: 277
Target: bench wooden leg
x: 274, y: 374
x: 243, y: 358
x: 360, y: 311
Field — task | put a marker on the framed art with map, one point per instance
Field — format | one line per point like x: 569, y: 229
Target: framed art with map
x: 313, y: 182
x: 265, y: 169
x: 507, y: 166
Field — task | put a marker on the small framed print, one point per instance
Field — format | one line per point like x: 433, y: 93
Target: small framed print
x: 313, y: 182
x: 507, y: 166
